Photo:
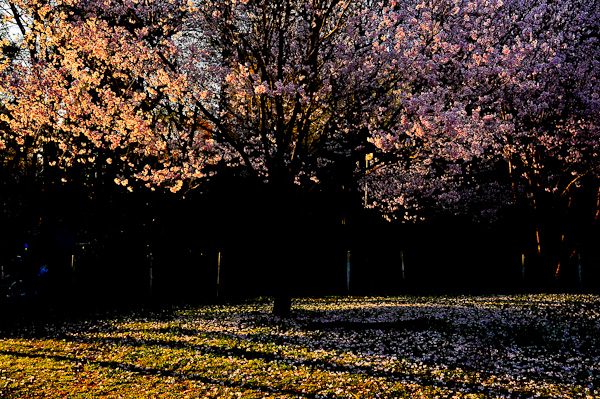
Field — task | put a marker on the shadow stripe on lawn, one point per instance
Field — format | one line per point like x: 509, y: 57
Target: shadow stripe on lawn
x: 426, y: 380
x: 163, y: 373
x: 261, y: 388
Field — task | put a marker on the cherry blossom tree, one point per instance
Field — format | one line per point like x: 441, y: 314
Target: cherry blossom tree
x: 444, y: 92
x: 166, y: 90
x: 554, y: 106
x: 521, y: 90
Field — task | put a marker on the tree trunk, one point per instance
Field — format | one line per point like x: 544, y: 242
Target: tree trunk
x: 283, y: 262
x: 282, y: 305
x: 286, y: 238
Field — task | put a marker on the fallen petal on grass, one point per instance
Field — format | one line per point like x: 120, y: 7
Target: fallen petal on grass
x: 402, y: 347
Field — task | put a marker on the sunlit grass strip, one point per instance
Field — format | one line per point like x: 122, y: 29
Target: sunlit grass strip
x: 255, y: 374
x: 337, y: 360
x: 258, y: 374
x: 46, y: 378
x: 39, y: 377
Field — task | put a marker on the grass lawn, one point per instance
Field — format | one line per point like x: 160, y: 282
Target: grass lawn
x: 403, y: 347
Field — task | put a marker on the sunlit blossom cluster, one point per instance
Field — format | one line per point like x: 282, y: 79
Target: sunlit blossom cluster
x: 439, y: 89
x: 91, y: 92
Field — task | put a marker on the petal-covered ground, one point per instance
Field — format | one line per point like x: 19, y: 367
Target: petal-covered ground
x: 531, y: 346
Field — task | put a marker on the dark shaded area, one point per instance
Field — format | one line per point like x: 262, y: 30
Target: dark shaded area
x: 418, y: 324
x: 103, y: 247
x: 163, y: 373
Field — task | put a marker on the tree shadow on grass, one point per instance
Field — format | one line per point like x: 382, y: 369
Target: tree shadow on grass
x: 146, y: 371
x: 341, y: 324
x: 424, y: 378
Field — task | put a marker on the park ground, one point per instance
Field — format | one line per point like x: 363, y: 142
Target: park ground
x: 517, y: 346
